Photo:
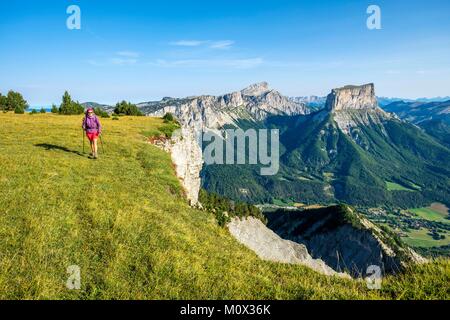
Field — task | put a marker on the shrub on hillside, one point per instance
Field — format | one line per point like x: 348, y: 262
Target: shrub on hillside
x: 19, y: 110
x: 101, y: 113
x: 55, y: 109
x: 168, y: 117
x: 127, y: 109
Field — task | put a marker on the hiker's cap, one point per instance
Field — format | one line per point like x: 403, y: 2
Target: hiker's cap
x: 90, y: 110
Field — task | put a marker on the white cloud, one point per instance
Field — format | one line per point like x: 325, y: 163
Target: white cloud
x: 216, y: 44
x: 128, y: 54
x: 211, y: 63
x: 224, y: 44
x: 123, y: 61
x: 188, y: 43
x: 121, y: 58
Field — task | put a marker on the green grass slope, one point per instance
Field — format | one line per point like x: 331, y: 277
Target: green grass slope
x: 124, y: 221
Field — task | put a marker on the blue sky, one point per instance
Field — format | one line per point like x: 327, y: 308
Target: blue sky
x: 145, y: 50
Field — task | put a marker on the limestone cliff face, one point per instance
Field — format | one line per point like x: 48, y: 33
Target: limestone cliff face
x: 186, y: 155
x: 352, y: 98
x: 203, y: 113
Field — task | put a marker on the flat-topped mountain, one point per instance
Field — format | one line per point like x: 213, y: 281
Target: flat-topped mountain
x: 352, y: 98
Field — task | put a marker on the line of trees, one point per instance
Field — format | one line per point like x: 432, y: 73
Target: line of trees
x: 13, y: 101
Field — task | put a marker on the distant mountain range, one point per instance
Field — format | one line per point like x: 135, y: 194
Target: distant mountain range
x: 312, y: 102
x: 433, y: 117
x: 253, y: 103
x: 105, y: 107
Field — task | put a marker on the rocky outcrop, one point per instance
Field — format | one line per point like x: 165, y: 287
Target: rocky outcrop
x: 269, y: 246
x: 203, y: 113
x: 343, y: 239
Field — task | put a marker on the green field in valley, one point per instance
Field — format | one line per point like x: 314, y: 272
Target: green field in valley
x: 421, y: 238
x: 430, y: 214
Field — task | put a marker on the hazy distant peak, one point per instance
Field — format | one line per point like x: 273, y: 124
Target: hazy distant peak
x: 256, y: 89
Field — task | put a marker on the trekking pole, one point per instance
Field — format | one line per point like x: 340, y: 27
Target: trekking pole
x: 82, y: 133
x: 101, y: 142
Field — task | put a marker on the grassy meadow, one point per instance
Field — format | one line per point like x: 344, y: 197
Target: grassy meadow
x: 124, y: 221
x: 431, y: 214
x: 421, y: 238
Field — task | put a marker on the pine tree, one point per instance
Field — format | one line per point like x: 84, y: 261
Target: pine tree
x: 69, y: 107
x: 16, y: 102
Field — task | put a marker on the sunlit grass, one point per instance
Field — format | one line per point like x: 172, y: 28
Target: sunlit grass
x: 124, y: 221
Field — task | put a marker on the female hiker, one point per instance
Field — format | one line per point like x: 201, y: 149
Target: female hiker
x: 93, y: 129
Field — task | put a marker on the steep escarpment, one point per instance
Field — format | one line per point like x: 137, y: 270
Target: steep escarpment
x: 186, y: 155
x: 352, y: 98
x: 343, y: 239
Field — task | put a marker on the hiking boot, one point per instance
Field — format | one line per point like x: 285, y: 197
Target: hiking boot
x: 95, y: 155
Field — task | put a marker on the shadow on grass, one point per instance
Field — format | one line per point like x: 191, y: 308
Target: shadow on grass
x: 59, y: 148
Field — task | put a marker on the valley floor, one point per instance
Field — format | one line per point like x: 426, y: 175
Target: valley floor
x: 124, y: 221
